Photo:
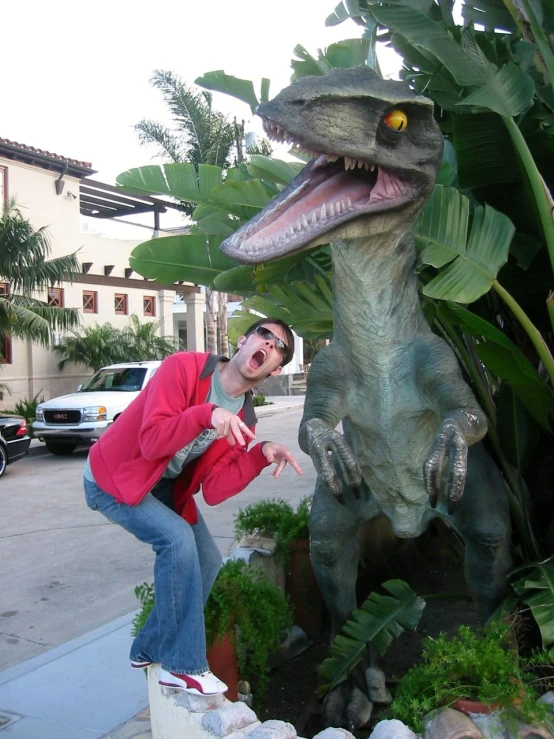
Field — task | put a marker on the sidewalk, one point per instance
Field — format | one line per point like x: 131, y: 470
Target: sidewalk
x: 85, y: 688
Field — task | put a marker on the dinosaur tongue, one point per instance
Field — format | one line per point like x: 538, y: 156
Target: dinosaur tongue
x: 327, y: 198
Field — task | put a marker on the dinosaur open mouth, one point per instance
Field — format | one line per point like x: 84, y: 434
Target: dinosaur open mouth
x: 331, y: 190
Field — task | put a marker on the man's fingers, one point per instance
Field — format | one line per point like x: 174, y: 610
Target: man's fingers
x: 280, y: 467
x: 294, y: 464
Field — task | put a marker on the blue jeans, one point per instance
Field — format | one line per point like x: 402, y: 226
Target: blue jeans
x: 186, y: 565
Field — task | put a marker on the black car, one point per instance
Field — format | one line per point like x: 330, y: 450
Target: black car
x: 14, y: 440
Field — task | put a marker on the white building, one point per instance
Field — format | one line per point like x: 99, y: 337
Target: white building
x: 54, y: 191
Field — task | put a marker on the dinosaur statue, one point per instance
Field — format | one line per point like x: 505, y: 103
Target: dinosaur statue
x: 411, y: 426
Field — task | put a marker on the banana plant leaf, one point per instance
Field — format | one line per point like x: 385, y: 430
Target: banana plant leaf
x: 273, y: 170
x: 518, y: 432
x: 380, y: 619
x: 422, y: 32
x: 190, y: 257
x: 472, y: 263
x: 537, y: 591
x: 508, y: 92
x: 179, y: 181
x: 505, y: 360
x: 236, y: 87
x: 488, y: 13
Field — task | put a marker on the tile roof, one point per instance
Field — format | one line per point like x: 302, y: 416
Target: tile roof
x: 44, y: 153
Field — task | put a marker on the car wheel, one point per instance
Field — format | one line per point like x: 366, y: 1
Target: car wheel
x: 3, y: 459
x: 60, y: 450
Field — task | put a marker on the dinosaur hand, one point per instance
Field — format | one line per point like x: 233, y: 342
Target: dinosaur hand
x: 327, y: 448
x: 449, y: 443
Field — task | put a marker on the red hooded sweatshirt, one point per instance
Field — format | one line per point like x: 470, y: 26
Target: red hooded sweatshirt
x: 130, y: 457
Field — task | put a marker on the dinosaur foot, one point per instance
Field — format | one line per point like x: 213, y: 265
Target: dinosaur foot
x: 350, y: 704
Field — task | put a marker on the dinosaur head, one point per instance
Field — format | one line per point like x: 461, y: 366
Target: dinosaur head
x: 375, y: 150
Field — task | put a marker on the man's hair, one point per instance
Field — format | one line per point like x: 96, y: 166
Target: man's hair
x: 289, y: 336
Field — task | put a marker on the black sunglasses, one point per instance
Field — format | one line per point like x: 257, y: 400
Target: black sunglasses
x: 265, y: 333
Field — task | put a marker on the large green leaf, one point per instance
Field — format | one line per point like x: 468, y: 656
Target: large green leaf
x: 423, y: 32
x: 191, y: 257
x: 508, y: 92
x: 273, y: 170
x: 472, y: 267
x: 380, y: 619
x: 238, y: 88
x: 179, y: 181
x: 505, y: 360
x: 537, y: 590
x: 517, y: 431
x: 491, y: 14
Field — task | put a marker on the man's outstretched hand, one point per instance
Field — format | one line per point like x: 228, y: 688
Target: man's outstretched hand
x: 279, y: 454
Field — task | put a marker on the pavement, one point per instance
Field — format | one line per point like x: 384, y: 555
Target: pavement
x: 85, y: 687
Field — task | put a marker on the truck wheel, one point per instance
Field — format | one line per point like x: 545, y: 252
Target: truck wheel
x: 60, y: 450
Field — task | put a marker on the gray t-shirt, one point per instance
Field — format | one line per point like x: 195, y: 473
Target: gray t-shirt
x: 198, y: 446
x: 203, y: 441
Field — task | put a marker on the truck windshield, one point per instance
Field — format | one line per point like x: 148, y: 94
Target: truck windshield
x: 126, y: 380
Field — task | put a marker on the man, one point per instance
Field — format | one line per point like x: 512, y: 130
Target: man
x: 189, y: 427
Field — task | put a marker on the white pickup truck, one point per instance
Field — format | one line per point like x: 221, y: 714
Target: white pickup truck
x: 81, y: 418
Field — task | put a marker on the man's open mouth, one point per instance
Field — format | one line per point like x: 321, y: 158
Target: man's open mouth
x: 331, y: 190
x: 258, y: 358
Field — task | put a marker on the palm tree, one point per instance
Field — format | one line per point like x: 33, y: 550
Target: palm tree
x: 201, y: 135
x: 97, y: 346
x: 24, y: 269
x: 101, y: 345
x: 141, y: 340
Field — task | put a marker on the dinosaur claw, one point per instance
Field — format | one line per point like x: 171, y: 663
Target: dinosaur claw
x: 340, y: 499
x: 357, y: 492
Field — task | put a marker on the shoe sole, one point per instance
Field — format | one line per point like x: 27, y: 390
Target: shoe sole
x: 140, y: 665
x: 194, y: 691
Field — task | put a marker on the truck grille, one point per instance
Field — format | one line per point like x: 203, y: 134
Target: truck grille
x: 62, y: 417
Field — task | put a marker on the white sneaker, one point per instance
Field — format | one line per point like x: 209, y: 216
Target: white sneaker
x: 204, y: 684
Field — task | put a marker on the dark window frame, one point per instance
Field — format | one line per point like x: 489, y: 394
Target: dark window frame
x: 151, y: 299
x: 92, y: 295
x: 56, y: 303
x: 121, y: 304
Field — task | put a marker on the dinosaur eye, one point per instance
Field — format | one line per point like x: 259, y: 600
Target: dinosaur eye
x: 396, y: 119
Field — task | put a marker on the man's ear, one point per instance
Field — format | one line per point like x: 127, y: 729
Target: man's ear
x: 240, y: 341
x: 276, y: 372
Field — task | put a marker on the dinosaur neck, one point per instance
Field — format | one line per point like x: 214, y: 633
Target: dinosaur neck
x: 375, y: 294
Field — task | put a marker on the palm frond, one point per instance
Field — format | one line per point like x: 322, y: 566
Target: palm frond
x: 168, y: 144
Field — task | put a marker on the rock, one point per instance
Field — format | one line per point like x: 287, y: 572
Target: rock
x: 378, y: 691
x: 392, y: 729
x: 334, y: 734
x: 358, y: 710
x: 273, y: 730
x: 228, y: 718
x: 490, y: 725
x: 446, y: 723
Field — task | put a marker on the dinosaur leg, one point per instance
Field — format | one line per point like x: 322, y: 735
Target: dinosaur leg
x: 335, y: 556
x: 483, y: 521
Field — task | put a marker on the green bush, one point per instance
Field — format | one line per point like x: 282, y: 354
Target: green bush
x: 485, y: 668
x: 275, y: 517
x: 27, y: 409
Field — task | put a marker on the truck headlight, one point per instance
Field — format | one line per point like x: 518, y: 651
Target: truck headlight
x: 39, y: 414
x: 95, y: 413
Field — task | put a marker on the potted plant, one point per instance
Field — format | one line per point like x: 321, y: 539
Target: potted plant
x: 245, y: 618
x: 474, y: 673
x: 288, y: 527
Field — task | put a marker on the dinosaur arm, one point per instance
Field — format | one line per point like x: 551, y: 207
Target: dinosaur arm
x: 462, y: 422
x: 324, y: 408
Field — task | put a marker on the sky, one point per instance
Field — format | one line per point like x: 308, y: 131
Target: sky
x: 76, y: 75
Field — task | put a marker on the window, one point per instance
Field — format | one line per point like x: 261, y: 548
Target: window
x: 90, y: 301
x: 4, y: 289
x: 55, y: 297
x: 5, y: 349
x: 3, y: 189
x: 149, y: 305
x: 120, y: 304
